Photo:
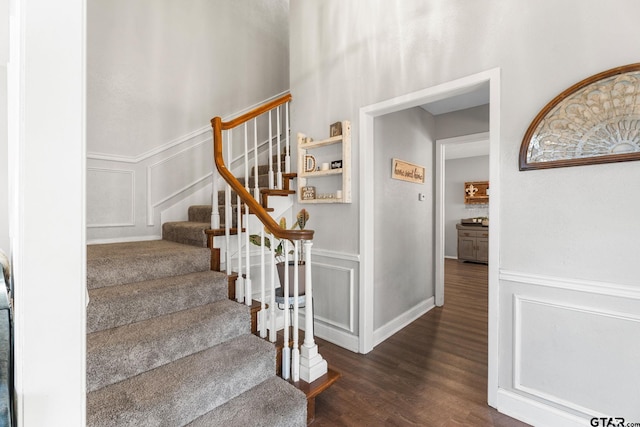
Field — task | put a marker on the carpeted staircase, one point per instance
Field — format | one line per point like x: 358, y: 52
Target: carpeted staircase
x: 165, y: 347
x: 191, y: 232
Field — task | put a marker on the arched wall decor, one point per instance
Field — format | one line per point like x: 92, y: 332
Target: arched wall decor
x: 594, y: 121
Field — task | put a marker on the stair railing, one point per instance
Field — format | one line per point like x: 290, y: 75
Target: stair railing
x: 298, y: 363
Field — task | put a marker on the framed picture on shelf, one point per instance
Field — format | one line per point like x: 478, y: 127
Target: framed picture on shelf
x: 335, y: 129
x: 308, y: 193
x: 336, y: 164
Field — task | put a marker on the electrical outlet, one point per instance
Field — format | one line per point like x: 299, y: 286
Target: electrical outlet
x: 422, y: 197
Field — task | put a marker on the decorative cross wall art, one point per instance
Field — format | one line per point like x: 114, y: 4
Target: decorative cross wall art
x: 594, y: 121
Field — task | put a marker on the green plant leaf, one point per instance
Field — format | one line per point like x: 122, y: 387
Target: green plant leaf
x: 255, y: 239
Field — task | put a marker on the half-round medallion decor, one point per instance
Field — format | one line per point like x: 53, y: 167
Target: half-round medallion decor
x: 594, y: 121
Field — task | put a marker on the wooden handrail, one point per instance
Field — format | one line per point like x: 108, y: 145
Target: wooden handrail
x: 255, y: 112
x: 254, y: 207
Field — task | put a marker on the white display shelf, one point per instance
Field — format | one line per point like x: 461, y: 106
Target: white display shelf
x: 315, y: 178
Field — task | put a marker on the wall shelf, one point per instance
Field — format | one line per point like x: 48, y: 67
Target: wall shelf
x: 328, y: 189
x: 476, y: 192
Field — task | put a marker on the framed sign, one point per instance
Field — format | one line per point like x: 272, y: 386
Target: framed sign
x: 406, y: 171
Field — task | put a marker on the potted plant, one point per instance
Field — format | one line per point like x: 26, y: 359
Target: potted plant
x: 301, y: 220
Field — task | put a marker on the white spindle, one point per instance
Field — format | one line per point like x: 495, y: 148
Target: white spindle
x: 262, y: 313
x: 228, y: 213
x: 256, y: 189
x: 270, y: 144
x: 287, y: 157
x: 247, y: 268
x: 273, y: 333
x: 286, y: 350
x: 295, y: 356
x: 246, y: 158
x: 278, y: 161
x: 312, y: 365
x: 240, y: 280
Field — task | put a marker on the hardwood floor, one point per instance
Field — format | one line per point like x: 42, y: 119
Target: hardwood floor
x: 431, y: 373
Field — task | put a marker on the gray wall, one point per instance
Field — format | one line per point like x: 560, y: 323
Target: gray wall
x: 463, y: 122
x: 457, y: 172
x: 579, y: 223
x: 403, y: 224
x: 157, y: 72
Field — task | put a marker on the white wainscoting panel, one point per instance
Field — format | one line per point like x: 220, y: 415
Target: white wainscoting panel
x: 174, y: 175
x: 110, y: 197
x: 562, y: 353
x: 569, y: 349
x: 331, y: 283
x: 335, y: 295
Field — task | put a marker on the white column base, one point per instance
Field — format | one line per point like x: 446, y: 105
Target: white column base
x: 312, y: 365
x: 215, y: 221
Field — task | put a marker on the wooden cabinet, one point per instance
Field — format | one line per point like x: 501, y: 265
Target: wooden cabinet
x: 473, y: 243
x: 331, y: 183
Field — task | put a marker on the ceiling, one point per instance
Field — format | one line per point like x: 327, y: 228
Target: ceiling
x: 473, y: 97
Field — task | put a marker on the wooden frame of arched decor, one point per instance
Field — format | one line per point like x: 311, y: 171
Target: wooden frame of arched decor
x: 594, y: 121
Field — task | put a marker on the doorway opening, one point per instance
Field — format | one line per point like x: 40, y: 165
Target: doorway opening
x: 467, y: 146
x: 449, y: 90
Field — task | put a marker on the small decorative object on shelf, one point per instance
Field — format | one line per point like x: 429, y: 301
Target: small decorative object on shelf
x: 331, y: 177
x: 335, y: 129
x: 308, y: 193
x: 476, y: 192
x: 309, y: 163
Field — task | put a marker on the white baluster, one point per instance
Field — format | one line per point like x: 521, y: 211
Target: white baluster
x: 287, y: 158
x: 240, y: 281
x: 273, y: 333
x: 246, y: 158
x: 279, y: 176
x: 286, y: 351
x: 270, y: 143
x: 262, y: 314
x: 228, y: 213
x: 247, y: 271
x: 256, y: 189
x: 312, y: 365
x: 295, y: 356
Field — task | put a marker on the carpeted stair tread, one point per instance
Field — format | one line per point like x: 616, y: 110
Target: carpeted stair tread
x: 186, y: 232
x: 273, y: 403
x: 200, y: 213
x: 119, y: 263
x: 179, y: 392
x: 119, y: 353
x: 114, y: 306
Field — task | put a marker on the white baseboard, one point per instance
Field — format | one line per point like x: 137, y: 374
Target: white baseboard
x: 536, y: 413
x: 335, y: 336
x: 123, y: 239
x: 450, y: 257
x: 384, y: 332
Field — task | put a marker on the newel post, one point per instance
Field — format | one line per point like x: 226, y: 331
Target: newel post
x: 312, y: 365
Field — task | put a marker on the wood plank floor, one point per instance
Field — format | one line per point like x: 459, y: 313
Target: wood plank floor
x: 431, y: 373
